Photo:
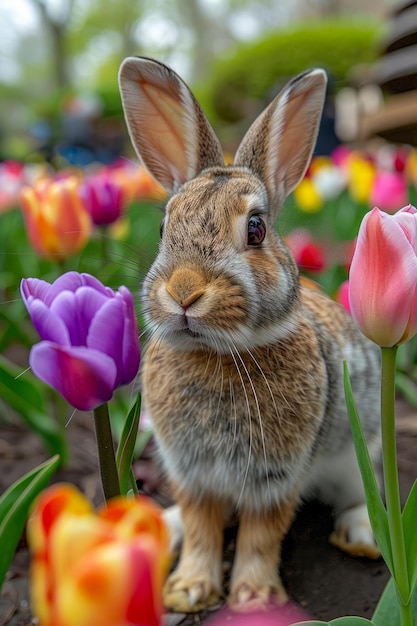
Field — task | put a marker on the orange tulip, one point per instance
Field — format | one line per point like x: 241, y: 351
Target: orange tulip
x: 106, y: 568
x: 57, y: 223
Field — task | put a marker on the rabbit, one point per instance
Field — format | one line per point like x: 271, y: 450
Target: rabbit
x: 243, y: 370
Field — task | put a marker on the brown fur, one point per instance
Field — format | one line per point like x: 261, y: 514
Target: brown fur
x: 243, y: 373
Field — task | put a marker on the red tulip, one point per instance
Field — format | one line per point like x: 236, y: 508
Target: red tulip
x: 308, y: 255
x: 383, y: 276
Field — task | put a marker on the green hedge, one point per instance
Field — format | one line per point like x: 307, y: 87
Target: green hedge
x: 255, y: 71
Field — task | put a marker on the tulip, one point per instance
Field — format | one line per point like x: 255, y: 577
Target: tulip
x: 89, y: 340
x: 383, y: 276
x: 389, y: 190
x: 329, y: 181
x: 342, y: 295
x: 361, y: 175
x: 136, y: 182
x: 103, y: 198
x: 287, y: 615
x: 307, y: 196
x: 57, y: 222
x: 102, y: 568
x: 307, y: 254
x: 13, y: 177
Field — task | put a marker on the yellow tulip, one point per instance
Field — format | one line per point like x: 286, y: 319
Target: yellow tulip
x: 307, y: 196
x: 102, y: 568
x: 361, y: 174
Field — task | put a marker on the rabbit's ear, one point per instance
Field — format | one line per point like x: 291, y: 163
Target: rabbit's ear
x: 279, y: 144
x: 168, y: 129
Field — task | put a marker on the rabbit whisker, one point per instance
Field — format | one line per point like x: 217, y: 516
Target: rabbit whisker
x: 232, y: 353
x: 258, y: 411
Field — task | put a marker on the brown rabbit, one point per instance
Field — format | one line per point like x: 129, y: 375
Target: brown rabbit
x: 243, y: 373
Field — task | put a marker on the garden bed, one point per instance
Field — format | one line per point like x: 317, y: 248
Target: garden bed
x: 324, y: 581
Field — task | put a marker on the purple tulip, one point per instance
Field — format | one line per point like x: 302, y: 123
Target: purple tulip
x: 89, y: 336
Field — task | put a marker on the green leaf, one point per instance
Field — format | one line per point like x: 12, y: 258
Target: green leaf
x: 376, y: 508
x: 13, y: 332
x: 387, y: 612
x: 25, y: 397
x: 340, y: 621
x: 311, y: 623
x: 127, y: 444
x: 351, y: 621
x: 14, y: 509
x: 409, y: 518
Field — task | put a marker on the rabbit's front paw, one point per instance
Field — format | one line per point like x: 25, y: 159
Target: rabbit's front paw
x: 189, y: 594
x: 353, y: 533
x: 252, y: 596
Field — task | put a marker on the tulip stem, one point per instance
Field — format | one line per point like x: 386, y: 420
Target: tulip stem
x: 391, y: 483
x: 107, y: 460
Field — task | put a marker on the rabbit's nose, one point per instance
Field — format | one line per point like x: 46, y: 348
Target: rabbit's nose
x: 186, y: 286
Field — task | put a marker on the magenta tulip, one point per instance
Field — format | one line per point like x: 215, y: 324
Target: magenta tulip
x: 103, y: 198
x: 389, y: 190
x: 383, y: 276
x: 89, y: 336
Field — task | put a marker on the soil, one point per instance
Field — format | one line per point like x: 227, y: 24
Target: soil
x: 325, y: 582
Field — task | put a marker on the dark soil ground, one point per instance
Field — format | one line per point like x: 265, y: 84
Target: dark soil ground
x: 325, y: 582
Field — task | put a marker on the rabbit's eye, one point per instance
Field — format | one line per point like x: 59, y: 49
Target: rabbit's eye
x: 256, y: 231
x: 161, y: 227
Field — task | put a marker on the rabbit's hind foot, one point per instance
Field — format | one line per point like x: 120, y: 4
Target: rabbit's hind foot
x: 189, y: 595
x: 353, y: 533
x: 247, y: 597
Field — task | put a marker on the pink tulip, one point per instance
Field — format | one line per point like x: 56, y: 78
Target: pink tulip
x: 389, y: 190
x: 342, y: 296
x: 287, y: 615
x: 383, y: 276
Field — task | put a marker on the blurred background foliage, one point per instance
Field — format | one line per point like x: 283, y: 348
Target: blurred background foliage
x: 235, y: 53
x: 240, y: 84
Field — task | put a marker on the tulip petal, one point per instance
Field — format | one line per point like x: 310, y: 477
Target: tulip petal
x: 383, y: 278
x: 106, y: 333
x: 70, y: 281
x: 49, y: 325
x: 36, y: 288
x: 83, y: 376
x: 147, y: 571
x: 50, y: 505
x: 132, y: 517
x: 131, y: 348
x: 114, y: 585
x: 76, y: 310
x: 406, y: 218
x: 91, y: 281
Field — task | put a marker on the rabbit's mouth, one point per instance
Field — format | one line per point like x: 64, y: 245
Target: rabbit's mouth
x: 191, y: 333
